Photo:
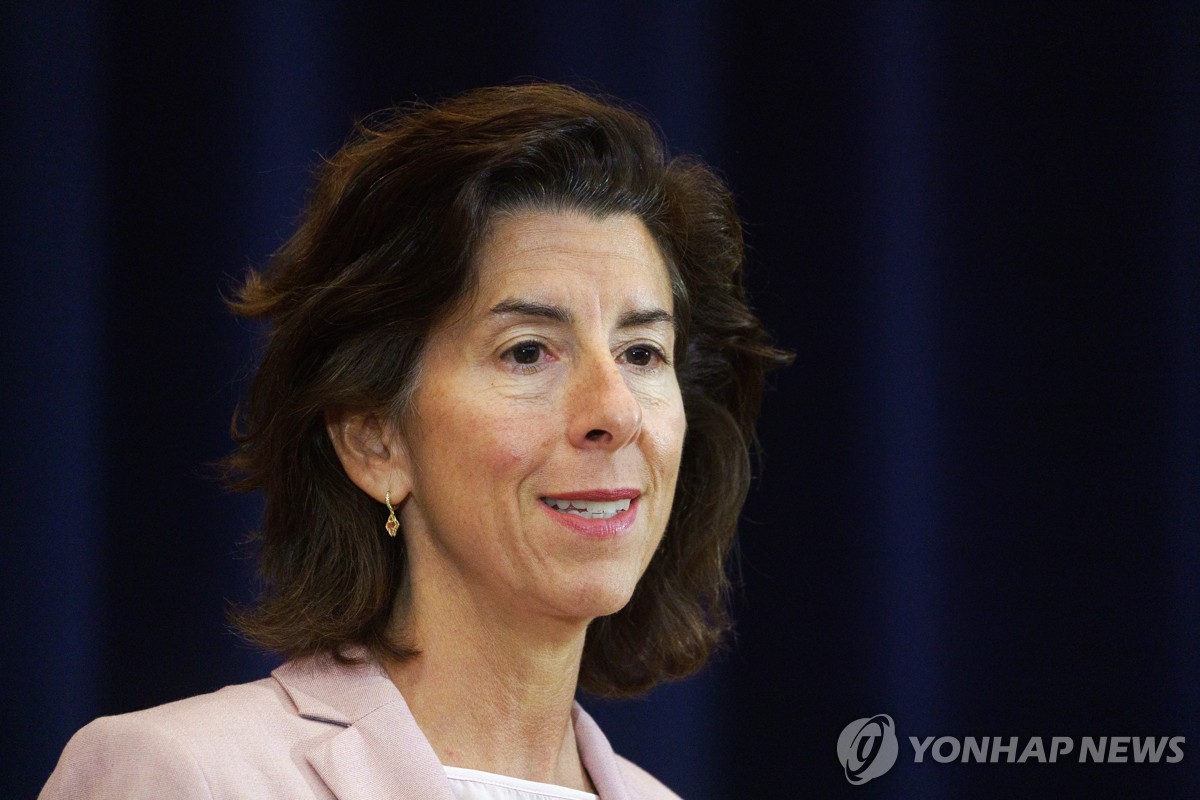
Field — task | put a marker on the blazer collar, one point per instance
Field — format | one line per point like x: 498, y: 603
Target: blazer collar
x: 598, y: 757
x: 381, y: 752
x: 342, y: 694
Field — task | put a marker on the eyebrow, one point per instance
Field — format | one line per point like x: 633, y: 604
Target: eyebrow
x: 630, y: 319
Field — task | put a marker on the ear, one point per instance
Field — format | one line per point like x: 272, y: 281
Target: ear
x: 372, y: 453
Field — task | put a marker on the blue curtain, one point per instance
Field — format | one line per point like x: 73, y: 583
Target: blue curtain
x: 978, y: 509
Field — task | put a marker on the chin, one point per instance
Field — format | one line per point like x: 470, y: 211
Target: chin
x: 598, y: 599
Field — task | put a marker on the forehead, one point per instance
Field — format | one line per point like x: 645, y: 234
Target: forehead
x: 568, y: 254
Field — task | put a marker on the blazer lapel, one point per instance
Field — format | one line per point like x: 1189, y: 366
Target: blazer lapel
x: 598, y: 757
x: 381, y: 753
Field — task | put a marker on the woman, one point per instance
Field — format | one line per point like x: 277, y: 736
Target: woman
x: 501, y: 426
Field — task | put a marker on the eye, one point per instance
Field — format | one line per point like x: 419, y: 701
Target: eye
x: 641, y: 355
x: 526, y: 352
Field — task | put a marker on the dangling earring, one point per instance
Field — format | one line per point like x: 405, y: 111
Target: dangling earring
x: 392, y: 525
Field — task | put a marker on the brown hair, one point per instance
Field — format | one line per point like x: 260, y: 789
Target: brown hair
x: 383, y: 252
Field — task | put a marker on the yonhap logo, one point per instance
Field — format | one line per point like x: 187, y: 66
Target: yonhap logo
x: 867, y: 748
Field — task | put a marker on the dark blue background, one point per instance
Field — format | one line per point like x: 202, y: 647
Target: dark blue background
x: 977, y: 225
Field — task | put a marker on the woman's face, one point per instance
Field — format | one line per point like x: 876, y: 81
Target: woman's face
x: 547, y: 426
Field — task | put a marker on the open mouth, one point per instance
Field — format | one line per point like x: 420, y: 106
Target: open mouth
x: 589, y: 509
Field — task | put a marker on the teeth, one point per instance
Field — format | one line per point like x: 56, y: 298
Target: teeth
x: 589, y: 509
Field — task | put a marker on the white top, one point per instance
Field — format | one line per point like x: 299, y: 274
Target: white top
x: 472, y: 784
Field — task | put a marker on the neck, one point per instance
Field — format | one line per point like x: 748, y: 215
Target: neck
x: 491, y: 695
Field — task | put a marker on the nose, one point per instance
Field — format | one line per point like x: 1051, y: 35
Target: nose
x: 605, y: 413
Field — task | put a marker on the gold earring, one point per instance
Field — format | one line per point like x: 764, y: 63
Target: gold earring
x: 392, y: 525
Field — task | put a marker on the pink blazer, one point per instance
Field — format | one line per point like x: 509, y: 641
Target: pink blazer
x: 312, y: 730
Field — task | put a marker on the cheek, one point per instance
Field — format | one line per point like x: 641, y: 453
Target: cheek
x: 511, y: 443
x: 667, y: 432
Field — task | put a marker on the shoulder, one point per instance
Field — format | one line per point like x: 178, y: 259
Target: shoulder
x: 232, y: 718
x: 193, y: 748
x: 230, y: 706
x: 120, y: 756
x: 642, y: 784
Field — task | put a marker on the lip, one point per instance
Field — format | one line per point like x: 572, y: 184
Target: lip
x: 597, y: 528
x: 599, y: 495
